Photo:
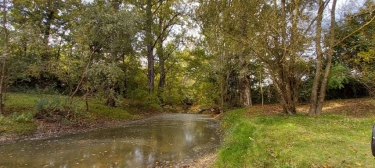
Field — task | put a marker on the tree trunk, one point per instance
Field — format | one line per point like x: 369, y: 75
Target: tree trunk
x: 150, y: 48
x: 290, y: 106
x: 286, y: 84
x: 46, y: 34
x: 162, y: 78
x: 244, y: 78
x: 329, y: 59
x: 5, y: 55
x: 245, y: 90
x: 224, y: 89
x: 160, y: 51
x: 319, y: 63
x: 261, y: 89
x: 316, y: 105
x: 162, y: 72
x: 111, y: 102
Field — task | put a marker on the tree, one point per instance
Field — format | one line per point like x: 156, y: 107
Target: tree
x: 319, y: 59
x: 275, y: 33
x: 167, y: 14
x: 159, y: 18
x: 226, y: 26
x: 41, y: 28
x: 5, y: 54
x: 316, y: 102
x: 354, y: 48
x: 150, y: 47
x: 108, y: 40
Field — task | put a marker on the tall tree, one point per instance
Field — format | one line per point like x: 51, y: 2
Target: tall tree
x: 168, y: 15
x: 319, y: 59
x: 5, y: 55
x: 227, y: 25
x: 354, y: 48
x: 109, y: 35
x: 273, y: 32
x: 316, y: 102
x: 150, y: 46
x: 41, y: 28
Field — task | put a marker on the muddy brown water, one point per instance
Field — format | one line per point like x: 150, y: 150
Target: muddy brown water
x: 169, y: 140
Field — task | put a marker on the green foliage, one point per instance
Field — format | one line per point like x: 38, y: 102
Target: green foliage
x: 367, y: 57
x: 23, y: 117
x: 24, y: 109
x: 19, y: 124
x: 105, y: 112
x: 295, y: 141
x: 141, y: 101
x: 339, y: 76
x: 357, y: 50
x: 55, y: 109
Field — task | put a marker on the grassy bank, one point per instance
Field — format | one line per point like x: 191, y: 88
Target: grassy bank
x: 26, y: 113
x: 263, y: 139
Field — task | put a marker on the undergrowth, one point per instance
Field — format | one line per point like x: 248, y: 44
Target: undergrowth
x: 23, y: 110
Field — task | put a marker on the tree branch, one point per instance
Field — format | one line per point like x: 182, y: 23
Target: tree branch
x: 165, y: 29
x: 83, y: 75
x: 360, y: 28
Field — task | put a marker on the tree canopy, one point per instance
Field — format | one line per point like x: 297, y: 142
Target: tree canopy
x: 172, y: 52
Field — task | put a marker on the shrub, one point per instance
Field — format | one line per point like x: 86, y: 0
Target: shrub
x: 24, y: 117
x: 54, y: 108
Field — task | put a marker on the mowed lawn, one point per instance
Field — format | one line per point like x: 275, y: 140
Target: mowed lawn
x: 263, y: 137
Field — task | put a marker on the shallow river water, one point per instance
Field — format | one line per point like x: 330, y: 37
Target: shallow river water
x: 169, y: 140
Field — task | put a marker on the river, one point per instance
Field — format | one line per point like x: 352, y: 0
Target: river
x: 169, y: 140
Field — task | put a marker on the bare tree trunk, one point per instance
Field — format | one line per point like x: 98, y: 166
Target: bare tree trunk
x: 245, y: 90
x: 87, y: 99
x: 162, y: 73
x: 329, y: 59
x: 319, y: 58
x: 161, y: 56
x: 244, y: 77
x: 5, y: 55
x: 150, y: 48
x: 287, y: 90
x: 162, y: 78
x: 224, y: 88
x: 317, y: 99
x: 261, y: 88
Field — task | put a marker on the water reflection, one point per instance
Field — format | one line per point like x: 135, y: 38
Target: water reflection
x: 163, y: 140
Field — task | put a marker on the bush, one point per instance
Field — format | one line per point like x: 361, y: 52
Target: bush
x: 24, y: 117
x: 142, y: 100
x: 54, y: 108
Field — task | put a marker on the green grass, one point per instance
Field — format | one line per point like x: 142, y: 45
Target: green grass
x: 21, y: 108
x: 16, y: 125
x: 295, y: 141
x: 20, y: 103
x: 97, y: 109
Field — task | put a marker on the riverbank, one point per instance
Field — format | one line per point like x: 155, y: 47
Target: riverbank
x: 262, y: 137
x: 21, y: 122
x: 47, y: 130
